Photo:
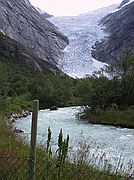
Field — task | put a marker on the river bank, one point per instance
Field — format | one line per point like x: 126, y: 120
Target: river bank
x: 117, y: 118
x: 111, y: 124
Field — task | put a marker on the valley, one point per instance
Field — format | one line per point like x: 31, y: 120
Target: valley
x: 83, y: 31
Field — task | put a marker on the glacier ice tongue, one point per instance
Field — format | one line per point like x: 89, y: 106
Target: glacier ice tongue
x: 83, y: 31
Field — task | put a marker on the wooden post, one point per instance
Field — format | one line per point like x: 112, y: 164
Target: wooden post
x: 33, y: 140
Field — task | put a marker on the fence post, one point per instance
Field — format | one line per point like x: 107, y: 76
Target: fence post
x: 33, y: 140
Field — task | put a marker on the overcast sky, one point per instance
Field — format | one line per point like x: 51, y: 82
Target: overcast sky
x: 71, y: 7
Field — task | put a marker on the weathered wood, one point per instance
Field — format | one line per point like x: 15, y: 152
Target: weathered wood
x: 33, y: 140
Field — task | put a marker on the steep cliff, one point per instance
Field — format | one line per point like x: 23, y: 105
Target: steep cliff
x: 23, y: 23
x: 17, y: 58
x: 120, y: 29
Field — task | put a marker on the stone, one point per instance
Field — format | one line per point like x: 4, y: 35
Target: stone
x: 18, y: 130
x: 53, y: 108
x: 12, y: 120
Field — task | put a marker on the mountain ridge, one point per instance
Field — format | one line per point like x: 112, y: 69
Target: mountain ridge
x: 23, y: 23
x: 119, y: 27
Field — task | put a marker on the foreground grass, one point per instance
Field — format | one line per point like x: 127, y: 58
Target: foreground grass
x: 18, y: 168
x: 9, y: 145
x: 14, y: 162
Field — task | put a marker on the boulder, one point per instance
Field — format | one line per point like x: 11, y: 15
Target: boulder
x: 17, y: 130
x: 12, y: 120
x: 53, y: 108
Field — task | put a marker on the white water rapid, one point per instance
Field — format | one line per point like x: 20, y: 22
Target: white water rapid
x: 111, y: 141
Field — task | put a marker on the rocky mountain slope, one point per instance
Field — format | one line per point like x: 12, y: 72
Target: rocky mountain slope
x: 22, y: 22
x: 120, y: 34
x: 82, y: 31
x: 14, y: 55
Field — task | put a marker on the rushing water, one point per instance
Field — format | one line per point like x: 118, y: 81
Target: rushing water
x: 115, y: 142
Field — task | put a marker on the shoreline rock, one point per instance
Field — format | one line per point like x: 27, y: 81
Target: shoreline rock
x: 53, y: 108
x: 15, y: 130
x: 13, y: 117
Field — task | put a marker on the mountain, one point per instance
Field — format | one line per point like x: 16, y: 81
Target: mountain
x: 22, y: 22
x: 14, y: 56
x: 123, y: 3
x: 119, y: 27
x: 83, y: 31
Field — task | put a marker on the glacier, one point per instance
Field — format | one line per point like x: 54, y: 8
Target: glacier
x: 83, y: 31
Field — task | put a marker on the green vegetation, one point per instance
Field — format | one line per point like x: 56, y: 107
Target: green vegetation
x: 111, y: 101
x: 18, y: 88
x: 19, y: 85
x: 120, y: 118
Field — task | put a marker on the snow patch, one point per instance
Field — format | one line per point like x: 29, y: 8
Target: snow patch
x: 40, y: 10
x: 98, y: 64
x: 27, y: 2
x: 123, y: 6
x: 66, y: 49
x: 127, y: 3
x: 2, y: 32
